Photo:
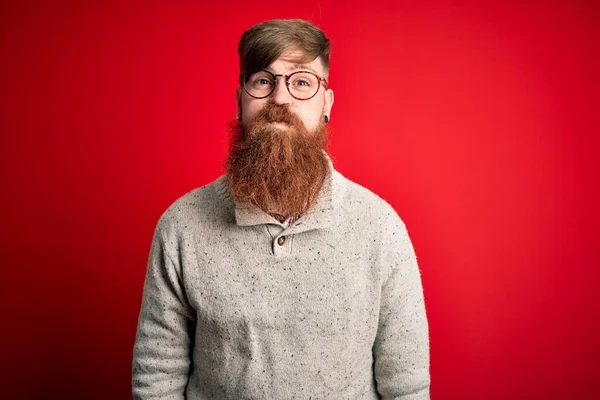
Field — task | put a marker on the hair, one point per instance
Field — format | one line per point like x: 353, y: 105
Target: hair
x: 264, y: 43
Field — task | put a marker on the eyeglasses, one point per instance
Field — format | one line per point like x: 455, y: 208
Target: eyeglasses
x: 302, y: 85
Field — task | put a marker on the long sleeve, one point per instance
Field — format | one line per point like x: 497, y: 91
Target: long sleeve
x: 165, y: 334
x: 401, y: 348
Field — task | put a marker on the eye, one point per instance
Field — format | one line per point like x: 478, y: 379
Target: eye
x: 262, y: 82
x: 303, y: 81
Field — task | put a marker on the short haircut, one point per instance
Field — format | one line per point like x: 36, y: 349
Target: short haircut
x: 264, y: 43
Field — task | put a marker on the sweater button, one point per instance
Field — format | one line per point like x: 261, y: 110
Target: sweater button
x: 281, y: 240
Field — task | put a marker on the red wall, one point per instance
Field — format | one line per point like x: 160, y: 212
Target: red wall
x: 478, y: 121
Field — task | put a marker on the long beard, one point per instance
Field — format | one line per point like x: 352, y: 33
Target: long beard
x: 279, y: 169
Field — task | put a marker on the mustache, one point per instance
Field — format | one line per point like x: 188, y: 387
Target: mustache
x: 277, y: 113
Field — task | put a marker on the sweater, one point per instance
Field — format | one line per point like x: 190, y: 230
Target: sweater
x: 238, y: 306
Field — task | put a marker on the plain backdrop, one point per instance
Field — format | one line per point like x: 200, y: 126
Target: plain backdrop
x: 478, y: 121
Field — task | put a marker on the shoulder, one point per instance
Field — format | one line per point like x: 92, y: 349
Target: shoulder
x: 354, y: 198
x: 376, y: 221
x: 198, y: 207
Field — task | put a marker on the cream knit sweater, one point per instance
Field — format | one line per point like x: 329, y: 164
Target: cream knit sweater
x: 236, y: 306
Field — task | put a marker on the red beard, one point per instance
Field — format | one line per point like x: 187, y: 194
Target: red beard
x: 279, y: 169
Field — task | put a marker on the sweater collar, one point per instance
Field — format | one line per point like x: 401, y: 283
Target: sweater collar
x: 319, y: 216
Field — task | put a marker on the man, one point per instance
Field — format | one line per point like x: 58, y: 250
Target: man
x: 282, y: 279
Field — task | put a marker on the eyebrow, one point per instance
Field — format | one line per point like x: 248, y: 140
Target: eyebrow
x: 297, y: 67
x: 303, y: 67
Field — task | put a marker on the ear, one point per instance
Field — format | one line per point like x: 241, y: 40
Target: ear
x: 238, y: 94
x: 328, y: 102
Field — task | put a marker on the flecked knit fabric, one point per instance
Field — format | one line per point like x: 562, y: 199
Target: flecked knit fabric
x: 237, y: 306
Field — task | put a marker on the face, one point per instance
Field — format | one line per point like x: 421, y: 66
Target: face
x: 277, y: 159
x: 310, y: 112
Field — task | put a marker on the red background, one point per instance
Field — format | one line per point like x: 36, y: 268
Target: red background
x: 478, y: 121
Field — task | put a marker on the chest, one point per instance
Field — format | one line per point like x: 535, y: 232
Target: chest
x: 320, y: 287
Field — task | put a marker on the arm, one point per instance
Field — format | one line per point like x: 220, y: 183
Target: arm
x: 401, y: 348
x: 165, y: 334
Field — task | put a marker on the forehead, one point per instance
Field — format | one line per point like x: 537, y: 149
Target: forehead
x: 291, y: 61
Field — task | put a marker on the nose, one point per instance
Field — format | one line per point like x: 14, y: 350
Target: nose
x: 281, y: 95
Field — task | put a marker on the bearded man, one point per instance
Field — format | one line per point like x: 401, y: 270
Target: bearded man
x: 282, y: 279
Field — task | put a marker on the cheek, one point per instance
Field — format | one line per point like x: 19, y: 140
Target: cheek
x: 311, y: 116
x: 249, y: 109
